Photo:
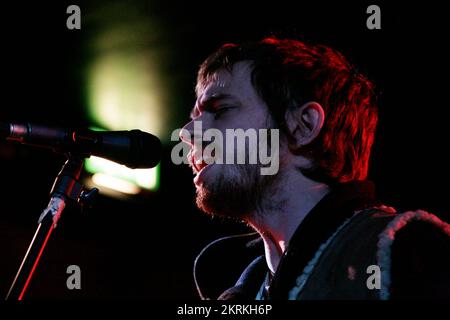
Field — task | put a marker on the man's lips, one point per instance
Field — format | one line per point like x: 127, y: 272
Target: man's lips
x: 197, y: 164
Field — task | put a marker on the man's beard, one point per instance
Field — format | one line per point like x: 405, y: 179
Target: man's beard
x: 238, y: 192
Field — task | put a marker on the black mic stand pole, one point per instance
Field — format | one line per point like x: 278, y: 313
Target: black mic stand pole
x: 65, y: 188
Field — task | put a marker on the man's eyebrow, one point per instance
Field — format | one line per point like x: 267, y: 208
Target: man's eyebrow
x: 208, y: 102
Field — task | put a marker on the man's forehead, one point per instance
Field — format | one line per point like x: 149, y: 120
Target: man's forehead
x: 224, y: 82
x: 218, y: 84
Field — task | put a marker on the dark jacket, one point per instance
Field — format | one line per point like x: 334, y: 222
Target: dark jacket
x: 335, y: 253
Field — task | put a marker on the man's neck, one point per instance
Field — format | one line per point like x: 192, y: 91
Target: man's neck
x: 277, y: 225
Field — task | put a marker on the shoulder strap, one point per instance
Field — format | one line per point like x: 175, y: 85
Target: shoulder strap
x: 387, y: 237
x: 339, y: 268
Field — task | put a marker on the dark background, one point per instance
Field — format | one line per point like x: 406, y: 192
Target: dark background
x: 144, y: 248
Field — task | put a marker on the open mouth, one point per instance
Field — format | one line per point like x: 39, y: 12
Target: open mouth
x: 199, y: 164
x: 196, y: 164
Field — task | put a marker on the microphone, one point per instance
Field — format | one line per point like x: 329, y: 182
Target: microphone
x: 135, y: 149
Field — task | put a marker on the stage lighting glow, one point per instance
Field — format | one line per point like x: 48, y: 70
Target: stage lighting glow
x: 126, y: 82
x: 141, y: 178
x: 124, y: 93
x: 117, y: 184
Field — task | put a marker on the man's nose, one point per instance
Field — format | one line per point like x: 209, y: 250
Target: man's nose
x: 192, y: 131
x: 187, y: 133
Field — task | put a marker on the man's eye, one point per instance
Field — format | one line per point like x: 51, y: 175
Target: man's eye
x: 219, y: 112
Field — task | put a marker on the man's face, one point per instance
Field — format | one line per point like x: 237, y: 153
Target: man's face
x: 229, y: 101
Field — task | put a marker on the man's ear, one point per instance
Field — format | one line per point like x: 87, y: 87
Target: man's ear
x: 304, y: 124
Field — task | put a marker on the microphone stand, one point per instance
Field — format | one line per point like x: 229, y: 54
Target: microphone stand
x: 66, y: 188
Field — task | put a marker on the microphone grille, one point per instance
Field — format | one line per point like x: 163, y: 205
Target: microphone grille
x: 146, y: 149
